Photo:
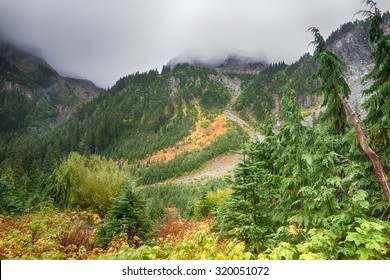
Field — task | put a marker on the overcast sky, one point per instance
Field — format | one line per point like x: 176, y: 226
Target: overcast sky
x: 103, y: 40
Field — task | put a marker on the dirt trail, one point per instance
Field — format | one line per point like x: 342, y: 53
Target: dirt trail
x: 224, y: 165
x: 234, y: 85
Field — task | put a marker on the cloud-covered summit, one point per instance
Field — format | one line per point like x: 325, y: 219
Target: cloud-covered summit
x: 104, y: 40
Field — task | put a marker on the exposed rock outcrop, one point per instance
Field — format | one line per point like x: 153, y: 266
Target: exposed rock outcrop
x: 20, y: 88
x: 240, y: 64
x: 352, y: 44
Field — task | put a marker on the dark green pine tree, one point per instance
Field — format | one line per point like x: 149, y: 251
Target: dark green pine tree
x: 51, y: 159
x: 35, y: 175
x: 9, y: 202
x: 289, y: 163
x: 336, y: 90
x: 243, y: 215
x: 128, y: 214
x: 268, y: 183
x: 36, y: 183
x: 85, y: 145
x: 333, y: 83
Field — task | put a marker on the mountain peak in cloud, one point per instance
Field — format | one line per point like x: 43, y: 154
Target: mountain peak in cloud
x: 232, y: 63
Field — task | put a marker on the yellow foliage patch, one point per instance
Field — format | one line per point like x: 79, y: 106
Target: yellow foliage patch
x: 49, y: 234
x: 199, y: 139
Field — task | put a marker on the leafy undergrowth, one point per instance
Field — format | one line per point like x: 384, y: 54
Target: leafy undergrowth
x: 181, y: 239
x: 366, y: 239
x: 62, y: 234
x: 176, y: 229
x: 49, y: 234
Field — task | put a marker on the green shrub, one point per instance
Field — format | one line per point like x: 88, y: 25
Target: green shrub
x: 87, y: 182
x: 209, y: 202
x: 127, y: 216
x: 206, y: 247
x: 369, y: 239
x: 205, y: 124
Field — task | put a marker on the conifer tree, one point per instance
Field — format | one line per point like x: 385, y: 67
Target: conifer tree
x: 333, y: 84
x: 291, y: 141
x: 378, y: 103
x: 128, y: 214
x: 336, y: 90
x: 35, y: 175
x: 243, y: 215
x: 269, y: 180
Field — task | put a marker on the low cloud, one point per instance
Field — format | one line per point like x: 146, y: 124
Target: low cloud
x: 104, y: 40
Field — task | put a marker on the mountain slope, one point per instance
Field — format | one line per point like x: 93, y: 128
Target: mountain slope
x: 163, y: 124
x: 33, y: 94
x: 350, y: 42
x: 224, y: 165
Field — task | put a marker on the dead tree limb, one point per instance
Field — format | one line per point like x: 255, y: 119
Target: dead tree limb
x: 380, y: 172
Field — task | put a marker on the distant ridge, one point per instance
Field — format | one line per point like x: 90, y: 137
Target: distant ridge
x: 232, y: 63
x: 47, y: 96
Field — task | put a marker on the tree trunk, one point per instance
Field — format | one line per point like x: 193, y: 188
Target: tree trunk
x: 339, y: 125
x: 380, y: 172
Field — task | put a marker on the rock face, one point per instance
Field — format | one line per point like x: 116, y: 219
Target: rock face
x: 20, y: 88
x: 355, y: 49
x: 386, y: 23
x: 351, y: 43
x: 240, y: 64
x: 26, y: 59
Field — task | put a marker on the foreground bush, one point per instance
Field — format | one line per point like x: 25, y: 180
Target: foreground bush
x: 181, y: 239
x: 128, y: 216
x: 49, y: 234
x: 87, y: 182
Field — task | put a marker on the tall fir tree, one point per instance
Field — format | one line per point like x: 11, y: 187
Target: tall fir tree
x: 336, y: 91
x: 378, y: 102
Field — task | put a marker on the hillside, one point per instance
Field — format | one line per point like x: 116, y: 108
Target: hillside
x: 160, y: 120
x: 175, y: 119
x: 33, y: 95
x: 150, y: 117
